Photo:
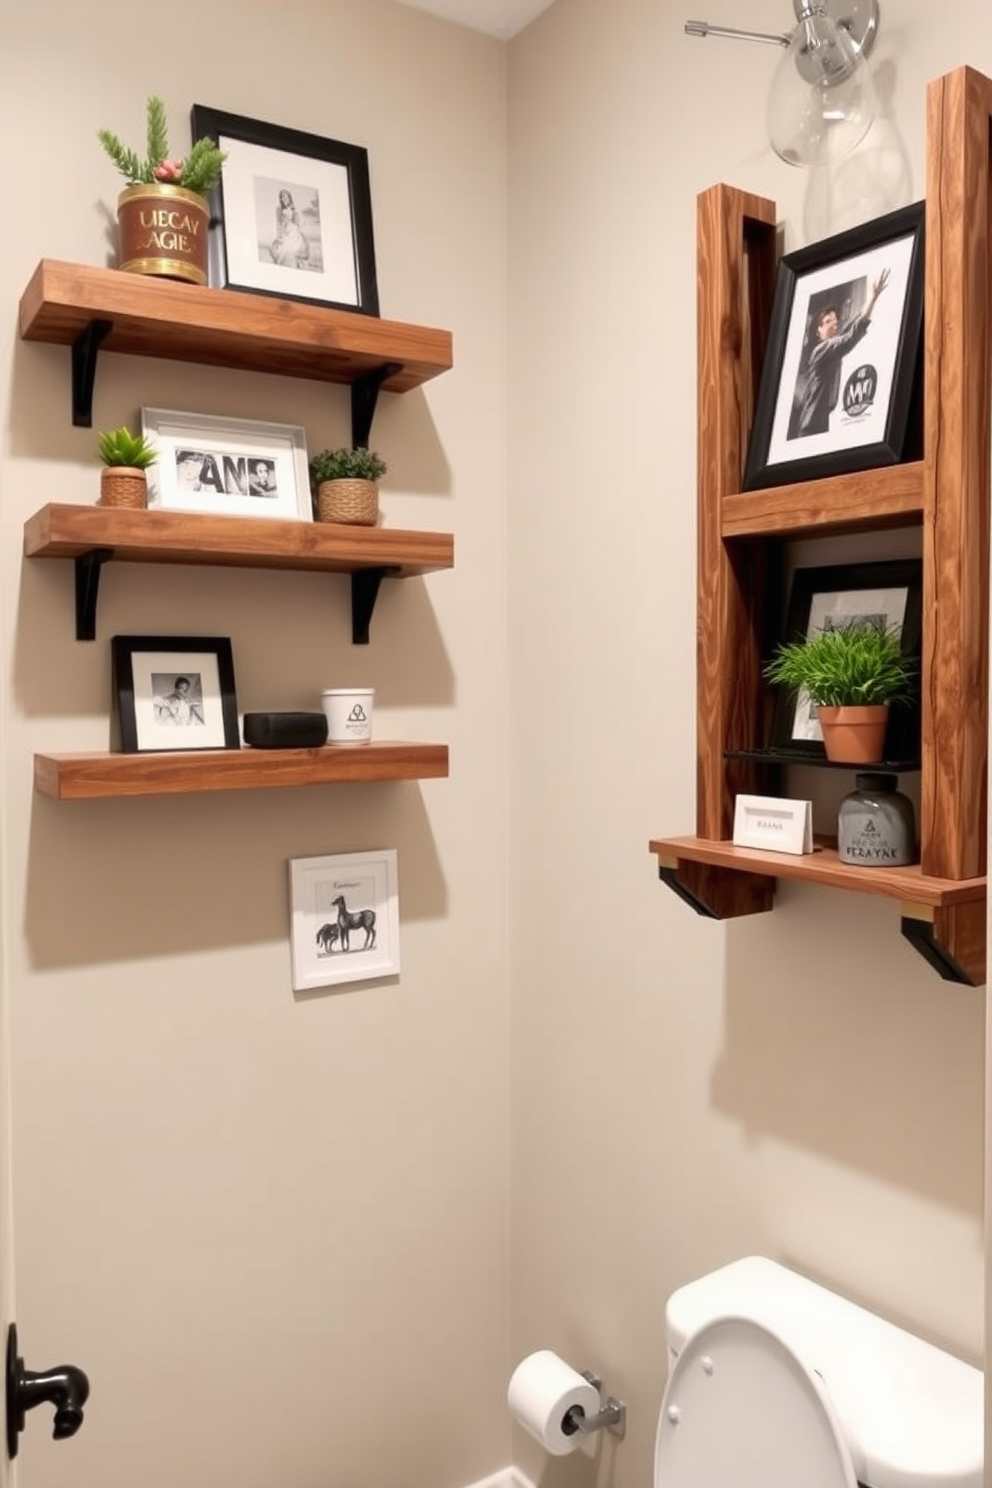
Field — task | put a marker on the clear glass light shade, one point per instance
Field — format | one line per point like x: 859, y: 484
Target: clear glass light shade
x: 822, y: 99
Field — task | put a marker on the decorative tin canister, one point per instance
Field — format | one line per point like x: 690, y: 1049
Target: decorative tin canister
x: 164, y: 232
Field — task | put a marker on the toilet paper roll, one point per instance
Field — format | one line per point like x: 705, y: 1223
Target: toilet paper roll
x: 542, y: 1391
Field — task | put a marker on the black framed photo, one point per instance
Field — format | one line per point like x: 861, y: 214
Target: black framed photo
x: 889, y: 593
x: 174, y: 692
x: 843, y: 356
x: 292, y: 215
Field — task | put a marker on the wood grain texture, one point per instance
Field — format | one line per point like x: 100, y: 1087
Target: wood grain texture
x: 891, y: 497
x: 961, y: 930
x: 734, y: 279
x: 66, y: 531
x: 909, y: 884
x: 88, y: 777
x: 226, y: 328
x: 956, y: 477
x: 728, y: 894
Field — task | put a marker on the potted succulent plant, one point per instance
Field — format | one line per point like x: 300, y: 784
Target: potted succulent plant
x: 853, y: 673
x: 163, y: 213
x: 344, y: 484
x: 126, y: 457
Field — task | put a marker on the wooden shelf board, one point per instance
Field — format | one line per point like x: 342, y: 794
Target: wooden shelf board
x: 824, y: 867
x: 226, y: 328
x: 68, y: 531
x: 87, y: 777
x: 889, y: 497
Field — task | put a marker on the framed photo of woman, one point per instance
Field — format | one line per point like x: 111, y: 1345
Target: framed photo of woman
x: 292, y: 215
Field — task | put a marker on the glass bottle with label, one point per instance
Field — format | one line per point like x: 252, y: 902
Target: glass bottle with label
x: 876, y: 825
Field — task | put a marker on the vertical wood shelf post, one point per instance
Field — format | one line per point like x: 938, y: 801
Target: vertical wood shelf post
x: 735, y: 276
x: 956, y: 482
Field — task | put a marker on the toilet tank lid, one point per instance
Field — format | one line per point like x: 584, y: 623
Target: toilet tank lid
x: 913, y: 1414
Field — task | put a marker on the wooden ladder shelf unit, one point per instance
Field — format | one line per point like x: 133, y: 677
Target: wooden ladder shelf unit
x: 942, y: 899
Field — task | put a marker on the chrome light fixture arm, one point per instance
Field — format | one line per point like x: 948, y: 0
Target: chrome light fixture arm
x: 703, y: 28
x: 859, y: 18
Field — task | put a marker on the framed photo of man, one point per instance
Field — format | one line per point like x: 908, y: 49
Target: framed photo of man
x: 174, y: 692
x: 843, y: 362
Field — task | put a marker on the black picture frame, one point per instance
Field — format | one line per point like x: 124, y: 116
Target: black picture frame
x: 858, y: 405
x: 155, y: 712
x: 319, y: 247
x: 892, y: 592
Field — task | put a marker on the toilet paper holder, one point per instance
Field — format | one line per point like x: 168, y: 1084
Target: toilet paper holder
x: 612, y: 1414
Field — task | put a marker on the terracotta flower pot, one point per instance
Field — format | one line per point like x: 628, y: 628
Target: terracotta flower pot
x: 123, y: 485
x: 164, y: 232
x: 352, y: 501
x: 854, y: 736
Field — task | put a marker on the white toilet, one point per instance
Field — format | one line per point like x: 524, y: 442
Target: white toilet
x: 775, y: 1382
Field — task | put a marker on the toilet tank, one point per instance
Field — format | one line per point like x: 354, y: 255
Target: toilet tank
x: 913, y: 1415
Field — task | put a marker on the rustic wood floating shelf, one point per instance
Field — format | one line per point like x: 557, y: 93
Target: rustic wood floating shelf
x: 946, y: 494
x: 93, y: 310
x: 91, y: 777
x: 94, y: 535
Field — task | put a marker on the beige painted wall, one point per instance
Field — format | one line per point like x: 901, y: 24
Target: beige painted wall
x: 271, y: 1228
x: 250, y: 1216
x: 684, y: 1093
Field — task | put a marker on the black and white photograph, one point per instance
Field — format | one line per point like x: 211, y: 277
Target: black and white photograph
x: 292, y: 215
x: 839, y: 375
x: 888, y: 594
x: 174, y: 692
x: 178, y: 700
x: 344, y: 918
x: 288, y: 220
x: 227, y: 467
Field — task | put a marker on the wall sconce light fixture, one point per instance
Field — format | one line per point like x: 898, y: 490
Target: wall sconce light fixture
x: 822, y: 99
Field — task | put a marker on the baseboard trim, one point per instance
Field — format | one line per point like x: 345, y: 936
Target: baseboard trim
x: 508, y: 1478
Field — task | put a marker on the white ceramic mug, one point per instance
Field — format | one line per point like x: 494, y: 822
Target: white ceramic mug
x: 349, y: 714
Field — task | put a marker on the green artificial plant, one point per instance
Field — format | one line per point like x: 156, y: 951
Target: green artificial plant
x: 198, y: 172
x: 346, y: 464
x: 857, y: 663
x: 121, y: 447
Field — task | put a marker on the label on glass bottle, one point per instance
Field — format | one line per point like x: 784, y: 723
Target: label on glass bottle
x: 875, y: 825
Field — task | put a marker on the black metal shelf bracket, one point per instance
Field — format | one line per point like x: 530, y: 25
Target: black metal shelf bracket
x: 364, y: 397
x: 921, y: 937
x: 88, y: 566
x: 364, y: 593
x: 84, y: 356
x: 670, y: 876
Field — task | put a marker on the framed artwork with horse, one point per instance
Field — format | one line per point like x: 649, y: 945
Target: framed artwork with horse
x: 344, y: 918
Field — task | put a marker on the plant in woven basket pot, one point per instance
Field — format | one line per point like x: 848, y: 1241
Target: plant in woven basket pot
x: 163, y: 213
x: 853, y: 673
x: 126, y: 457
x: 344, y: 484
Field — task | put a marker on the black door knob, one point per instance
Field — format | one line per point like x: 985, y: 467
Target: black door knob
x: 65, y: 1387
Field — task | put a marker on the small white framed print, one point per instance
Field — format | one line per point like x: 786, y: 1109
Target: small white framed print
x: 344, y: 918
x: 227, y: 467
x: 773, y: 824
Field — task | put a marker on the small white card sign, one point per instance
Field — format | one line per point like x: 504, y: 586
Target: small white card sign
x: 773, y: 824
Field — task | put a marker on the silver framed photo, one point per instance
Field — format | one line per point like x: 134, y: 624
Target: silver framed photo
x: 227, y: 467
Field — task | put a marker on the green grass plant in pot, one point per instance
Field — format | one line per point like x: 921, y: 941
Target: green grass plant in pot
x: 853, y: 673
x: 163, y: 215
x: 344, y: 485
x: 126, y: 457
